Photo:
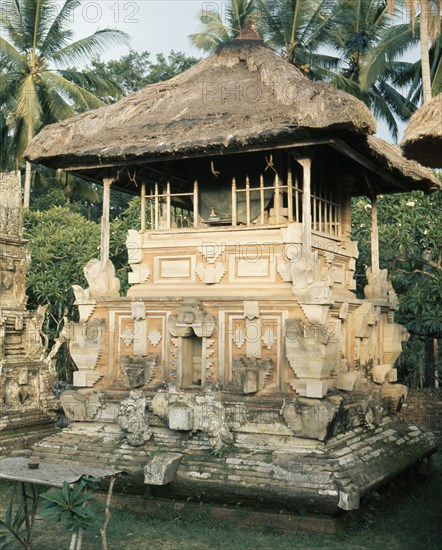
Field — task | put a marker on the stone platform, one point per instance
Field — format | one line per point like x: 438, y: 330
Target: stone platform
x: 260, y: 470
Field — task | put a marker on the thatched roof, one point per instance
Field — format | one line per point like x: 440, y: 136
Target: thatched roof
x: 245, y: 94
x: 423, y: 136
x: 391, y: 163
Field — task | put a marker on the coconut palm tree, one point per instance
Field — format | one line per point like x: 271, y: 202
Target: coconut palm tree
x: 429, y: 29
x: 360, y: 28
x: 407, y: 75
x: 36, y: 83
x: 220, y: 26
x: 292, y: 27
x: 296, y: 29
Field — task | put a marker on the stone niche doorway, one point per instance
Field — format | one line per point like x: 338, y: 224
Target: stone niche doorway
x: 191, y: 361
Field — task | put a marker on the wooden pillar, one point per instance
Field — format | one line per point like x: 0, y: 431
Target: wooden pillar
x: 234, y: 217
x: 290, y: 190
x: 195, y: 204
x: 105, y: 224
x: 168, y: 205
x: 345, y: 205
x: 306, y: 164
x: 143, y: 207
x: 374, y: 236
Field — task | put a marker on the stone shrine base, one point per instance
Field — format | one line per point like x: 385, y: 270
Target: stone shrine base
x: 260, y: 470
x: 20, y: 430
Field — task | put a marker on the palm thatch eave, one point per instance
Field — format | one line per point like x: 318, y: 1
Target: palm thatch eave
x: 423, y: 135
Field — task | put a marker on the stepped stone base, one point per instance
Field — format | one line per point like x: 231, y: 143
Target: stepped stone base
x: 20, y: 431
x: 265, y: 470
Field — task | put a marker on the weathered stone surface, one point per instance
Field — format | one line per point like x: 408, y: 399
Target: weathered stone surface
x: 181, y: 418
x: 423, y: 407
x: 132, y: 419
x: 26, y: 401
x: 209, y: 414
x: 139, y: 370
x: 313, y: 420
x: 252, y: 373
x: 101, y: 278
x: 304, y: 474
x: 81, y: 407
x: 161, y: 470
x: 347, y: 380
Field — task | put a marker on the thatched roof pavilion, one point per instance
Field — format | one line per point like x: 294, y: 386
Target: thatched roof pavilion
x: 242, y: 98
x: 423, y: 136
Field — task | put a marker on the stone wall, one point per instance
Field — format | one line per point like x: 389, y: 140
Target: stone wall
x: 424, y: 408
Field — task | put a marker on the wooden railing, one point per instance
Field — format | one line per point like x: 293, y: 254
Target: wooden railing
x: 326, y: 210
x: 169, y: 209
x: 165, y: 211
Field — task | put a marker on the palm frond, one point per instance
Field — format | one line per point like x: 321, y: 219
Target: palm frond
x: 58, y: 35
x: 89, y: 80
x: 399, y: 105
x: 54, y: 105
x: 36, y: 18
x: 85, y: 48
x: 382, y: 110
x: 395, y: 42
x: 10, y: 56
x: 83, y: 99
x: 28, y: 107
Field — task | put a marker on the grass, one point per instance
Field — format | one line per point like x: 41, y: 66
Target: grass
x: 406, y: 514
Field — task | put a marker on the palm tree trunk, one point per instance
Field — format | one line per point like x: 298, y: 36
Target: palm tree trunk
x: 28, y: 172
x: 425, y: 55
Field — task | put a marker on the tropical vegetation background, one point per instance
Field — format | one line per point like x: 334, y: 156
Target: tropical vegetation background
x: 358, y: 45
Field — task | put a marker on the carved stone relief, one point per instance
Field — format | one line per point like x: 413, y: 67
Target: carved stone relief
x: 191, y: 319
x: 210, y: 273
x: 140, y: 273
x: 154, y: 337
x: 212, y: 251
x: 269, y: 337
x: 26, y: 400
x: 101, y: 278
x: 132, y: 419
x: 138, y: 310
x: 313, y: 352
x: 377, y: 284
x: 214, y: 424
x: 81, y: 407
x: 252, y: 373
x: 138, y: 371
x: 186, y: 411
x: 86, y: 341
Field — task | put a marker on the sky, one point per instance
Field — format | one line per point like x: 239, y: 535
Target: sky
x: 156, y: 26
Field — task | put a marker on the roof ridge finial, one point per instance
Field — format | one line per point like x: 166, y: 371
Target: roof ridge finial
x: 248, y: 31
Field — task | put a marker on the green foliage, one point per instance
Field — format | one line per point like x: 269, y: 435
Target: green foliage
x: 36, y: 46
x: 61, y: 243
x: 136, y: 70
x: 71, y: 505
x: 297, y: 29
x: 410, y: 244
x: 18, y: 522
x: 218, y: 27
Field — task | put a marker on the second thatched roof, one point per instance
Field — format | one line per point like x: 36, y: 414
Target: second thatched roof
x: 243, y: 95
x: 423, y: 136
